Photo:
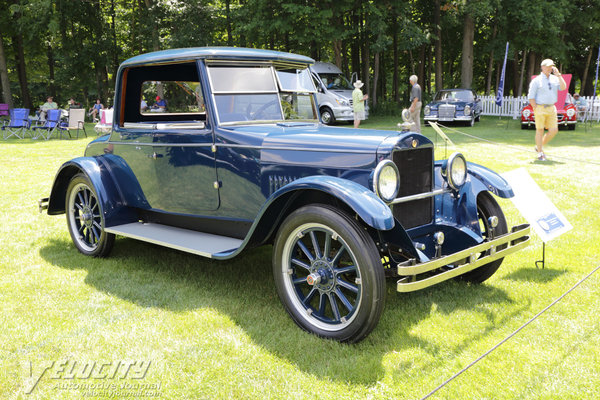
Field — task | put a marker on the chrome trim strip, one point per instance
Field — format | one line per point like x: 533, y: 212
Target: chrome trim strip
x: 406, y: 284
x: 420, y: 196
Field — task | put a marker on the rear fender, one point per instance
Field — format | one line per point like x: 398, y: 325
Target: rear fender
x: 114, y: 183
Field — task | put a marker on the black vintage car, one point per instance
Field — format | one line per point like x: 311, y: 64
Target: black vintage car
x: 454, y: 105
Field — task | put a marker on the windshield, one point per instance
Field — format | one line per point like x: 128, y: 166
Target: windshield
x: 336, y: 81
x: 454, y: 95
x: 262, y: 93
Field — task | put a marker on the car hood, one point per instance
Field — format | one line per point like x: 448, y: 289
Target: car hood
x: 347, y: 94
x: 458, y: 103
x: 313, y: 136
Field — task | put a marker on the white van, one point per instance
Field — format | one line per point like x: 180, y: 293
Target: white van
x: 334, y: 93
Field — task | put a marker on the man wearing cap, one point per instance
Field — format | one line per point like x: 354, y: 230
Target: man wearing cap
x: 358, y: 103
x: 543, y: 93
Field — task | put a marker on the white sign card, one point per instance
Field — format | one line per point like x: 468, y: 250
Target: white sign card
x: 547, y: 221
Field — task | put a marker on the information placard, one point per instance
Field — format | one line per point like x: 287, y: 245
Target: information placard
x: 547, y: 221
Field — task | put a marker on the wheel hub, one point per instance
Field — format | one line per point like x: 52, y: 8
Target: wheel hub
x: 321, y: 276
x: 87, y: 218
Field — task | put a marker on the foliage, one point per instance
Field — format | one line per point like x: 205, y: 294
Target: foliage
x: 73, y: 47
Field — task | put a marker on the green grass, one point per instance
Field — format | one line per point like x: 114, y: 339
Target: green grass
x: 217, y: 329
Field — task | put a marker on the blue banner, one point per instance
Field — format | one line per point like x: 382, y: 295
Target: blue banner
x: 500, y: 92
x: 596, y: 82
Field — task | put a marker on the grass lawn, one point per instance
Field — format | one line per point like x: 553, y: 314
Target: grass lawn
x: 217, y: 329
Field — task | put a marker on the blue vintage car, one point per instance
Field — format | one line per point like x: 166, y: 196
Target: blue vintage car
x: 454, y: 105
x: 237, y: 158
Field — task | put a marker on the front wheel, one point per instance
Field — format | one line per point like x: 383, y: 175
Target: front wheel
x: 85, y: 219
x: 328, y: 273
x: 327, y: 116
x: 486, y: 208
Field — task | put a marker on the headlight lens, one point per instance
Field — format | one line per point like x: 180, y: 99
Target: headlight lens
x: 456, y: 171
x: 570, y: 112
x: 386, y: 180
x: 342, y: 102
x: 427, y: 110
x: 526, y: 112
x: 467, y: 110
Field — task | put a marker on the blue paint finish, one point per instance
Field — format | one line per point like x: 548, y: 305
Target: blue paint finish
x: 491, y: 180
x: 364, y: 202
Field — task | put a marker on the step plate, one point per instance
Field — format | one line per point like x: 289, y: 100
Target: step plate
x: 203, y: 244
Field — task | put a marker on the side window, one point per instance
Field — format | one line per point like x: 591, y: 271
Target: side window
x: 172, y: 97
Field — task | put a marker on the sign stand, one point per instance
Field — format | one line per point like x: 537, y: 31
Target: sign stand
x: 542, y: 262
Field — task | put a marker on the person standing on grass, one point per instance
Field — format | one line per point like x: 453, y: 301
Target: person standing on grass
x: 358, y: 103
x: 415, y: 103
x: 543, y: 93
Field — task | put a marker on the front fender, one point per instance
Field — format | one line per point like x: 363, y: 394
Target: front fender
x: 490, y: 180
x: 114, y: 183
x: 363, y: 201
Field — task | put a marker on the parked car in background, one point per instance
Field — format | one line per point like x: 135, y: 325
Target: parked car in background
x: 334, y: 93
x: 454, y: 105
x: 239, y: 160
x: 566, y: 111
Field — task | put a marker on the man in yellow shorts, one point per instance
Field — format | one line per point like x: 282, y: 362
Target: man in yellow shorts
x: 543, y: 93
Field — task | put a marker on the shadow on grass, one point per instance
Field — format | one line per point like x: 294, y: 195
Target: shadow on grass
x: 535, y: 275
x: 243, y: 289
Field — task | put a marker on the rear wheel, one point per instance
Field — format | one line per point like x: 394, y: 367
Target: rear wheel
x: 328, y: 274
x: 486, y: 208
x: 85, y: 219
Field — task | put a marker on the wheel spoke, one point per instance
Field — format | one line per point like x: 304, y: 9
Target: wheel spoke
x: 322, y: 304
x: 347, y: 285
x: 343, y: 299
x: 78, y: 206
x: 85, y: 196
x: 81, y: 199
x: 315, y: 244
x: 309, y: 297
x: 97, y: 225
x: 298, y: 281
x: 80, y: 229
x: 327, y: 246
x: 300, y: 264
x: 334, y: 307
x: 306, y: 251
x: 337, y: 257
x: 345, y: 270
x: 95, y: 236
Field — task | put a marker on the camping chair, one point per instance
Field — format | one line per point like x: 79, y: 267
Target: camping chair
x: 76, y: 117
x: 105, y: 124
x: 19, y: 122
x: 50, y: 125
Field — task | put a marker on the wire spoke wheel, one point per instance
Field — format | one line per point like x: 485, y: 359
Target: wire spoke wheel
x: 328, y: 273
x: 85, y: 219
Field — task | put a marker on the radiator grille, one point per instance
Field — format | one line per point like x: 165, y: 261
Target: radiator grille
x: 446, y: 112
x: 416, y: 176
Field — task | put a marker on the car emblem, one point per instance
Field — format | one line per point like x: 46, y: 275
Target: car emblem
x: 415, y: 143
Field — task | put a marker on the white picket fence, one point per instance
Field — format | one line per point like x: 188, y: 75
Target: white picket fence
x: 511, y: 107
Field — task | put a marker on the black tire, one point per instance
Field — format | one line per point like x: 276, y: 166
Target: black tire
x: 85, y: 219
x: 571, y: 127
x: 523, y: 126
x: 327, y: 116
x: 478, y: 118
x: 471, y: 122
x: 487, y: 207
x: 348, y: 301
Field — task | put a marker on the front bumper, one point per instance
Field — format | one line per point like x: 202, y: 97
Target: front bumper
x: 419, y: 276
x: 346, y: 113
x: 455, y: 118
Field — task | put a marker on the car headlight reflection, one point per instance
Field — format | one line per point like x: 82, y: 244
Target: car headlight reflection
x: 456, y: 171
x: 386, y: 180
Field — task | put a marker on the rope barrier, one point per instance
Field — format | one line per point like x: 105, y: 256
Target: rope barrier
x: 517, y: 148
x: 510, y: 336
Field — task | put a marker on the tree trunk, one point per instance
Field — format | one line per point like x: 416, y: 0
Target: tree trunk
x: 467, y: 52
x: 521, y: 75
x: 586, y: 69
x: 438, y: 46
x: 395, y: 69
x: 22, y: 71
x: 337, y: 52
x: 4, y: 82
x: 421, y: 69
x: 530, y: 67
x: 488, y: 83
x: 51, y: 84
x: 228, y: 21
x: 375, y: 80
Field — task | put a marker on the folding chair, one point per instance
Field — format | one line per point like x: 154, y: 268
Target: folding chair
x: 19, y: 122
x: 105, y: 124
x: 50, y: 125
x: 76, y: 117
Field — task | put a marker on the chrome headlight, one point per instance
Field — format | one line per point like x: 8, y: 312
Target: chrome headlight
x: 526, y: 112
x: 467, y: 110
x: 386, y: 180
x: 456, y: 171
x: 570, y: 112
x: 342, y: 102
x: 427, y: 110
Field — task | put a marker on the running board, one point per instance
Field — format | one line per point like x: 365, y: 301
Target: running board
x: 203, y: 244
